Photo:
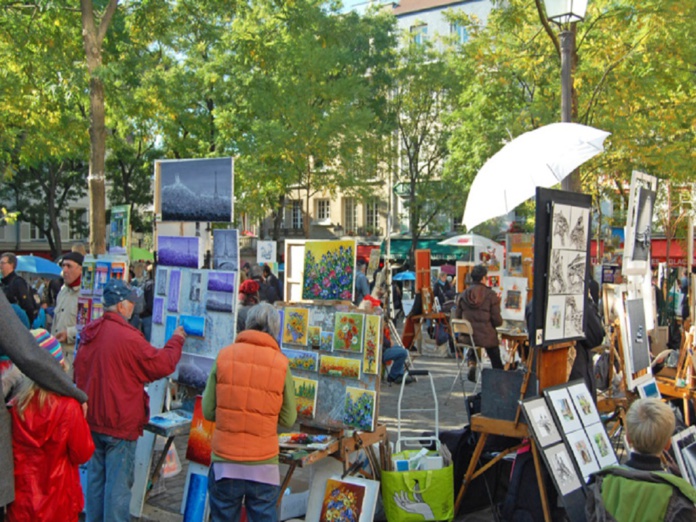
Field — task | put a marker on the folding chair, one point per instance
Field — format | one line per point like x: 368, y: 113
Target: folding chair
x: 463, y: 344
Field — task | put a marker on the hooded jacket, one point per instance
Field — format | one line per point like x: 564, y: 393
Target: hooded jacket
x: 113, y: 364
x: 480, y: 305
x: 49, y: 444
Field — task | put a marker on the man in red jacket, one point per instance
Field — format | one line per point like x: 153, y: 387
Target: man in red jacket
x: 112, y: 365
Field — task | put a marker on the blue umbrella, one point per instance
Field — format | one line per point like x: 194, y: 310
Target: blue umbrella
x: 38, y: 266
x: 404, y: 276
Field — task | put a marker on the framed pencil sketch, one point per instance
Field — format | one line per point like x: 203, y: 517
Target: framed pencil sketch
x: 641, y: 200
x: 584, y: 405
x: 601, y: 445
x: 562, y: 406
x: 561, y: 468
x: 539, y: 418
x: 583, y: 453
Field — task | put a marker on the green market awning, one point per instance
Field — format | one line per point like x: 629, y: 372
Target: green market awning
x: 401, y: 246
x: 141, y: 254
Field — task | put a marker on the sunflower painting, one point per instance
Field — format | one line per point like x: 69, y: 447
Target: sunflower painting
x: 314, y: 336
x: 343, y: 501
x: 328, y: 270
x: 339, y: 367
x: 371, y: 354
x: 301, y: 360
x: 296, y: 326
x: 348, y: 332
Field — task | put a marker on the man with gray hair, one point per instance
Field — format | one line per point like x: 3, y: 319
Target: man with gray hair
x: 249, y: 392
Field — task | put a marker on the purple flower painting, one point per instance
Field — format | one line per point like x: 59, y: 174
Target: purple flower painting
x: 179, y: 251
x: 221, y: 281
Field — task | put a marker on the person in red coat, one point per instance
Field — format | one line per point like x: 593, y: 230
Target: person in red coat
x: 50, y: 439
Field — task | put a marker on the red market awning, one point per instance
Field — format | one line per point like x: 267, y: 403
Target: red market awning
x: 658, y: 251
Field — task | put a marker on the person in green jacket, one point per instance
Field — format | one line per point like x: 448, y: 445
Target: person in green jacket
x: 640, y: 490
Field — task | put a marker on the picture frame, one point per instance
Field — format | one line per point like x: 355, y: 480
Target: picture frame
x: 226, y: 249
x: 680, y: 441
x: 648, y: 389
x: 561, y: 468
x: 641, y: 201
x: 563, y: 408
x: 540, y: 420
x: 583, y: 454
x: 601, y: 445
x: 584, y: 403
x: 513, y: 301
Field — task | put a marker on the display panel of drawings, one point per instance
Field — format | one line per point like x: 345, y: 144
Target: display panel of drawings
x: 338, y: 383
x: 202, y: 301
x: 566, y: 272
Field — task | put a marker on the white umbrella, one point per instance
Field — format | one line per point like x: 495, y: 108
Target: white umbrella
x: 539, y: 158
x: 474, y: 241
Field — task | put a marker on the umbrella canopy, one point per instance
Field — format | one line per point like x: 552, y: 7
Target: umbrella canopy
x: 539, y: 158
x: 404, y: 276
x: 470, y: 240
x: 38, y: 266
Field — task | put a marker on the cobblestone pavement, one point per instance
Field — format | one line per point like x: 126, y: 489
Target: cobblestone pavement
x: 165, y: 506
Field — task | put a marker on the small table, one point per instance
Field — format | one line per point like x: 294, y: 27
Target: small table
x: 418, y: 326
x: 514, y: 342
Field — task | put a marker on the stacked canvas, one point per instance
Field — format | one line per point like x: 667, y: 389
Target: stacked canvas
x: 95, y: 275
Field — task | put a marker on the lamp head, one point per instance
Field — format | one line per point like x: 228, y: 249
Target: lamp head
x: 565, y: 11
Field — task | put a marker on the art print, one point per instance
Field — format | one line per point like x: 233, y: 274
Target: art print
x: 314, y: 336
x: 97, y: 309
x: 601, y: 445
x: 323, y: 316
x: 119, y: 229
x: 161, y: 281
x: 574, y: 313
x: 373, y: 337
x: 575, y: 265
x: 195, y: 289
x: 102, y: 271
x: 200, y: 442
x: 193, y: 325
x: 555, y: 317
x: 342, y: 501
x: 560, y: 227
x: 539, y: 418
x: 326, y: 343
x: 328, y: 270
x: 339, y: 367
x: 84, y: 312
x: 359, y: 409
x: 169, y: 327
x: 515, y: 266
x: 642, y: 224
x: 348, y: 332
x: 158, y: 310
x: 306, y: 396
x: 561, y: 468
x: 226, y: 250
x: 514, y: 298
x: 584, y: 405
x: 180, y: 251
x: 221, y: 281
x: 301, y: 360
x: 118, y: 270
x: 637, y: 335
x: 680, y: 442
x: 562, y: 405
x: 584, y: 455
x: 87, y: 281
x: 266, y: 252
x: 174, y: 291
x: 196, y: 190
x: 220, y: 302
x: 296, y: 326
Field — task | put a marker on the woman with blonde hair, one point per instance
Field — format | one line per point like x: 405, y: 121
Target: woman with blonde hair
x: 50, y: 439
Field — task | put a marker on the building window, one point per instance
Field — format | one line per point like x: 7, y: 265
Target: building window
x: 419, y: 33
x: 296, y: 214
x: 350, y: 215
x: 77, y: 223
x: 35, y: 233
x: 3, y: 234
x: 372, y: 214
x: 323, y: 211
x: 459, y: 32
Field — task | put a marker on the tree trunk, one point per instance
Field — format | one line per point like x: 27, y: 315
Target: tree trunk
x: 278, y: 217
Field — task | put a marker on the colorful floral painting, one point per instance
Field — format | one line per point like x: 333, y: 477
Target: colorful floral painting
x: 305, y: 396
x: 339, y: 367
x: 326, y: 343
x: 328, y: 270
x: 301, y: 360
x: 296, y: 326
x: 201, y: 437
x: 342, y: 501
x: 359, y: 410
x: 371, y: 354
x: 348, y: 332
x: 314, y: 336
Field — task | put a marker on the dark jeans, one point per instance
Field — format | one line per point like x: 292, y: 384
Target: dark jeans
x: 493, y: 355
x: 226, y: 497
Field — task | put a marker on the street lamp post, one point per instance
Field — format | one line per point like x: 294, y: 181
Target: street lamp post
x: 564, y: 13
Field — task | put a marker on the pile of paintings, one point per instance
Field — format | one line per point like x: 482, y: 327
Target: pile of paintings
x: 684, y: 448
x: 95, y: 274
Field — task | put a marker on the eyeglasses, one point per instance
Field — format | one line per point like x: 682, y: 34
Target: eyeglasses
x: 4, y: 263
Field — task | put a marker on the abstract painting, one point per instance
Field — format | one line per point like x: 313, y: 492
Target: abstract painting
x: 301, y: 360
x: 359, y: 409
x: 174, y: 291
x: 326, y: 343
x: 221, y: 281
x: 296, y: 326
x: 196, y: 190
x: 314, y: 336
x: 226, y: 249
x: 305, y: 396
x: 193, y: 325
x: 348, y: 332
x: 158, y: 310
x: 266, y: 252
x: 119, y: 229
x: 373, y: 337
x: 220, y: 302
x: 328, y: 270
x: 561, y: 468
x: 180, y: 251
x: 339, y: 367
x: 342, y: 501
x: 200, y: 443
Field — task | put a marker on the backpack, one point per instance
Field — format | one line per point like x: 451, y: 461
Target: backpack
x: 523, y: 502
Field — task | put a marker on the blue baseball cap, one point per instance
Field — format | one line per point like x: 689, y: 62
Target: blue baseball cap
x: 116, y: 290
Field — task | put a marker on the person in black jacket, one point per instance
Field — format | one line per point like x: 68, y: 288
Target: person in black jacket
x: 583, y: 368
x: 16, y: 289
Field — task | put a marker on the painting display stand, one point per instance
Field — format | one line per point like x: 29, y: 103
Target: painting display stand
x: 681, y: 386
x: 344, y: 445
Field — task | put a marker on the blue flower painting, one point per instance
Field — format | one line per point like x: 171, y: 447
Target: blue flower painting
x: 328, y: 270
x: 359, y: 410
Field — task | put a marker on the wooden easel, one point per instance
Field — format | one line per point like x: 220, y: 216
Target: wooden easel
x: 551, y: 369
x: 669, y: 387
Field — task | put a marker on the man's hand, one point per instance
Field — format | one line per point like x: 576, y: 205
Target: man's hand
x: 62, y: 337
x: 84, y: 409
x: 180, y: 331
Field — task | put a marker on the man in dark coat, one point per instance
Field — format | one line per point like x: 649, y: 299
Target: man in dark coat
x: 480, y: 305
x: 16, y: 289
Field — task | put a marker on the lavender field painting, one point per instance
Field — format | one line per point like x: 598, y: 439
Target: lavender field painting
x: 196, y: 190
x: 158, y: 310
x: 221, y: 281
x: 226, y: 249
x: 219, y: 302
x: 193, y: 325
x: 179, y: 251
x: 174, y: 290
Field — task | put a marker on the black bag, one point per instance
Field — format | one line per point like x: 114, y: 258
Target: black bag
x: 523, y: 502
